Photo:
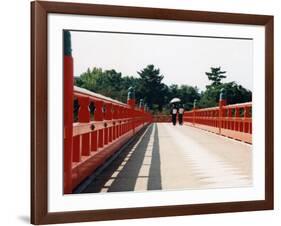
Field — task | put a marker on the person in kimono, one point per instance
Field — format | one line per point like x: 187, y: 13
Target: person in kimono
x: 174, y: 112
x: 180, y: 114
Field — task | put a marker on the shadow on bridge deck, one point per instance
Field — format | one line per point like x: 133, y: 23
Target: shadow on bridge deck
x: 137, y: 167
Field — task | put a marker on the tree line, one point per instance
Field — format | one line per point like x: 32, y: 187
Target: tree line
x: 150, y: 87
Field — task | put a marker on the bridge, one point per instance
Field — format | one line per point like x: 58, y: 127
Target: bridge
x: 112, y: 146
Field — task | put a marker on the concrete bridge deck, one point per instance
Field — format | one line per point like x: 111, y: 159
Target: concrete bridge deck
x: 169, y: 157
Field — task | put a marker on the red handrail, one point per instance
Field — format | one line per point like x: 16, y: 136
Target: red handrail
x: 233, y: 121
x: 94, y: 140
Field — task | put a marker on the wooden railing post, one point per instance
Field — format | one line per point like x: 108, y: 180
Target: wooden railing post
x: 246, y: 116
x: 229, y: 117
x: 194, y: 112
x: 105, y: 130
x: 131, y: 101
x: 94, y: 139
x: 84, y: 111
x: 236, y: 122
x: 84, y: 117
x: 108, y: 116
x: 99, y: 117
x: 68, y: 111
x: 118, y: 124
x: 121, y: 117
x: 222, y: 102
x: 141, y: 105
x: 114, y: 117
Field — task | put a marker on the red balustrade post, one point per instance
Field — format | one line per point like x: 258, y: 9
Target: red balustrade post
x: 84, y: 111
x: 222, y: 102
x: 114, y: 117
x: 94, y: 139
x: 120, y: 120
x: 250, y: 119
x: 110, y: 117
x: 99, y: 117
x: 94, y: 135
x: 77, y: 142
x: 229, y: 118
x: 118, y: 129
x: 84, y: 117
x: 246, y: 117
x: 236, y: 119
x: 118, y: 123
x: 107, y: 118
x: 131, y: 101
x: 194, y: 112
x: 125, y: 116
x: 105, y: 130
x: 68, y: 112
x: 125, y: 119
x: 141, y: 106
x: 213, y: 118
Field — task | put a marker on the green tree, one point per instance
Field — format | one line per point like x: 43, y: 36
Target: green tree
x: 88, y: 79
x: 109, y: 84
x: 234, y: 93
x: 151, y: 87
x: 188, y: 94
x: 156, y: 94
x: 173, y: 91
x: 216, y: 75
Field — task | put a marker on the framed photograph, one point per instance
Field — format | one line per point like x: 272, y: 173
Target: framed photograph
x: 148, y: 112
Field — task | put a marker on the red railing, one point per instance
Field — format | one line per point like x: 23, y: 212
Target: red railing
x: 233, y: 121
x: 90, y: 141
x: 96, y: 138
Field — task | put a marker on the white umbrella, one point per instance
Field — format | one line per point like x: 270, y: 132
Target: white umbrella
x: 175, y: 100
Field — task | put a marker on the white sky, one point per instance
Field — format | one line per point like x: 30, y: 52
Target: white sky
x: 182, y: 60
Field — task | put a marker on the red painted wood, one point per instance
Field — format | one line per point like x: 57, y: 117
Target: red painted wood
x: 94, y: 141
x: 86, y: 144
x: 82, y: 170
x: 110, y: 134
x: 131, y: 103
x: 105, y: 136
x: 221, y: 120
x: 68, y: 120
x: 84, y: 111
x: 100, y: 138
x: 84, y: 117
x: 77, y: 148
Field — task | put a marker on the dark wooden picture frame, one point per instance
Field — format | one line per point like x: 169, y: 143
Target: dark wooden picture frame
x: 39, y: 109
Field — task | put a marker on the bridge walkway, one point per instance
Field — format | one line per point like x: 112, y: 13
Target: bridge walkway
x: 167, y: 157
